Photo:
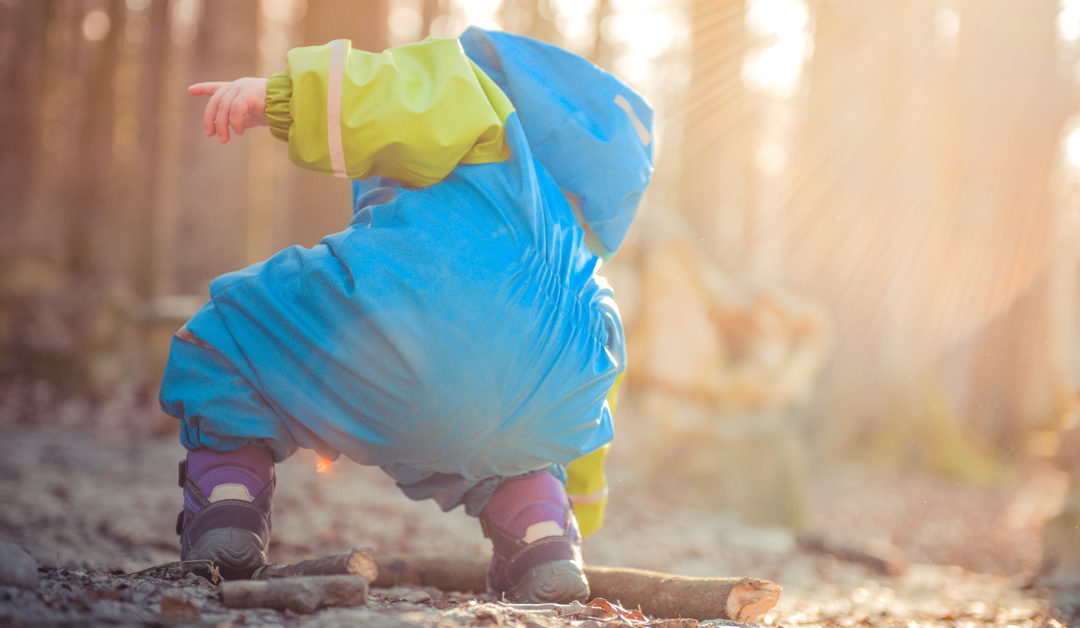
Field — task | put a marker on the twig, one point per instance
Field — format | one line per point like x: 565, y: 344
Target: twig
x: 166, y: 571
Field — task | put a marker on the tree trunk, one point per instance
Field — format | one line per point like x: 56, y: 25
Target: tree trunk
x: 22, y: 54
x: 143, y: 167
x: 91, y: 200
x: 213, y: 195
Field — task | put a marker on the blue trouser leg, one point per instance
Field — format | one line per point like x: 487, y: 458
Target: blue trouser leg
x: 450, y: 490
x: 218, y: 406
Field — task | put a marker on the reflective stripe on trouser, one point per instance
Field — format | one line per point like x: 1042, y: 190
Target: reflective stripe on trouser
x: 586, y: 484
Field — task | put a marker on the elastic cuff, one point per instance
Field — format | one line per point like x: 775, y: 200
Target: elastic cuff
x: 278, y: 96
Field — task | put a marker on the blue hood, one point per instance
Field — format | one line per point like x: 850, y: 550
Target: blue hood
x: 590, y: 130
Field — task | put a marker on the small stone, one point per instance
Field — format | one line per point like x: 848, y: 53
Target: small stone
x: 17, y: 568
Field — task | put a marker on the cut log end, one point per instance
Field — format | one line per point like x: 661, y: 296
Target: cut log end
x: 752, y: 600
x: 361, y: 563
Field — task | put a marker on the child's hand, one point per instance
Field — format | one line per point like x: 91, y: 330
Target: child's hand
x: 241, y: 103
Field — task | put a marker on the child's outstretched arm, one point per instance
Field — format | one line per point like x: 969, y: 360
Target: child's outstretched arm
x: 240, y: 103
x: 411, y: 113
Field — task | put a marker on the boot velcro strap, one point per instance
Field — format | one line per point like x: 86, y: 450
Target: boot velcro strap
x: 254, y: 516
x: 229, y: 513
x: 545, y: 550
x: 264, y: 500
x: 504, y: 544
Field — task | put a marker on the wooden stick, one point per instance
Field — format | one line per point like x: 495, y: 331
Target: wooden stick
x: 305, y: 594
x: 445, y: 572
x: 312, y: 582
x: 355, y: 562
x: 667, y: 596
x: 657, y: 594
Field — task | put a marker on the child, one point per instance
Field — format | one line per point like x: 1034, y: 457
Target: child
x: 455, y: 333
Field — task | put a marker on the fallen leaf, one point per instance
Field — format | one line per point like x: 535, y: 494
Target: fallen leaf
x: 607, y: 610
x: 174, y: 606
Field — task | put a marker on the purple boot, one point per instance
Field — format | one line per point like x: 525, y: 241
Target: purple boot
x: 227, y: 506
x: 536, y: 541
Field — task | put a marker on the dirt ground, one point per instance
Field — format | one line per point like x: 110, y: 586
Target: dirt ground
x: 88, y: 488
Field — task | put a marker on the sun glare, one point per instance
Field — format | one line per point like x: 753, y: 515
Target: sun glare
x: 648, y: 33
x: 96, y: 25
x: 482, y: 12
x: 783, y: 18
x: 784, y: 29
x: 947, y: 23
x: 1067, y: 24
x: 1071, y: 142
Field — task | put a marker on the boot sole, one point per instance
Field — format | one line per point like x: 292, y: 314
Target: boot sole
x: 559, y: 582
x: 235, y: 552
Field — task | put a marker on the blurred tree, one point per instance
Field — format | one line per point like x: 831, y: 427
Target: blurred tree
x: 920, y: 208
x: 91, y: 199
x: 534, y: 18
x: 143, y: 91
x: 213, y: 199
x: 22, y: 66
x: 717, y: 180
x: 431, y: 10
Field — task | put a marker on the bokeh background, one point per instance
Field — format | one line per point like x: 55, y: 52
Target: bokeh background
x: 860, y: 250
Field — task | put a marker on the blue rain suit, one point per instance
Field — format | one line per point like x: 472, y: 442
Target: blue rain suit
x: 454, y: 334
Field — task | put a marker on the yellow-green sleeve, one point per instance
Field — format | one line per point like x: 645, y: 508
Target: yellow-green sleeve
x: 411, y: 113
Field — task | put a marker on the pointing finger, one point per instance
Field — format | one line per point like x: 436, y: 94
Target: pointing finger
x: 206, y: 89
x: 223, y: 112
x: 210, y: 113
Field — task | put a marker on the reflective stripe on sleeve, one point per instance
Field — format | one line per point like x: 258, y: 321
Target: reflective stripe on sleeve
x: 338, y: 48
x: 642, y: 132
x: 594, y: 497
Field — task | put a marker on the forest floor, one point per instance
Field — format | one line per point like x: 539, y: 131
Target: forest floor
x: 89, y: 490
